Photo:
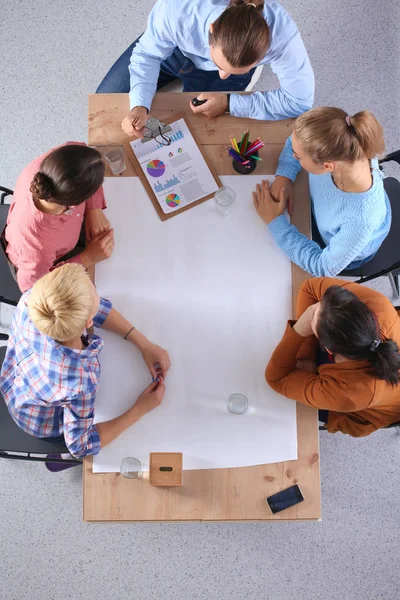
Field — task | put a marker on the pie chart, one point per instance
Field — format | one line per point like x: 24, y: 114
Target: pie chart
x: 173, y: 200
x: 156, y: 168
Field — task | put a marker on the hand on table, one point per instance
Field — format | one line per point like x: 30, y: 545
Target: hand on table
x: 99, y: 249
x: 134, y: 122
x: 265, y: 205
x: 217, y: 104
x: 151, y: 397
x: 283, y: 187
x: 96, y: 223
x: 157, y: 360
x: 303, y: 325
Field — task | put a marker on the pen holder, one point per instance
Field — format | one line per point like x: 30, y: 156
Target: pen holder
x: 245, y: 169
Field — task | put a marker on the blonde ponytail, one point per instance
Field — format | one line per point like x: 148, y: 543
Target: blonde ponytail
x: 327, y: 133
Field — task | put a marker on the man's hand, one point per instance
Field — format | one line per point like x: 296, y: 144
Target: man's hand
x: 134, y: 122
x: 96, y: 223
x: 99, y: 249
x: 217, y: 104
x: 151, y: 397
x: 156, y: 358
x: 265, y: 205
x: 303, y: 325
x: 283, y: 186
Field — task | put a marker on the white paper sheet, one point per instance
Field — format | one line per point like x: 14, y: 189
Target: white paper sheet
x: 215, y: 292
x: 178, y: 173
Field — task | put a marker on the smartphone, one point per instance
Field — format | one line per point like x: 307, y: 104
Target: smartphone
x: 285, y: 499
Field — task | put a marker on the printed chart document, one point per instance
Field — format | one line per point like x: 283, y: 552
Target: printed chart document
x: 178, y: 173
x: 216, y: 293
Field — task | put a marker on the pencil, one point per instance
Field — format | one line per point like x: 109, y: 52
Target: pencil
x: 246, y: 141
x: 235, y: 145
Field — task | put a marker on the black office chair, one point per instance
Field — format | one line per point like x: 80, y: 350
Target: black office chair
x: 17, y: 445
x: 387, y: 260
x: 9, y: 290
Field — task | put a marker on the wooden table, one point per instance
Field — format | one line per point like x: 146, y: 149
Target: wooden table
x: 214, y: 494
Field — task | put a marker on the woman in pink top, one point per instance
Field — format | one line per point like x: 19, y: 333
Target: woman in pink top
x: 54, y: 196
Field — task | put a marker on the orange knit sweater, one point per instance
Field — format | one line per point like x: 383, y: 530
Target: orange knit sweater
x: 357, y: 401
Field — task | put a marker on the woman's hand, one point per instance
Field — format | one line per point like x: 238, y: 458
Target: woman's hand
x: 156, y: 358
x: 96, y: 223
x: 100, y: 248
x: 265, y: 205
x: 303, y: 325
x: 283, y: 185
x: 151, y: 397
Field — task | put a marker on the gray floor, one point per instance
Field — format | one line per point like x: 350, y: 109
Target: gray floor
x: 53, y: 54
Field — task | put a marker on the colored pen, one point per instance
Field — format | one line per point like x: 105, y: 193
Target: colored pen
x: 254, y: 149
x: 238, y: 157
x: 236, y: 147
x: 254, y: 144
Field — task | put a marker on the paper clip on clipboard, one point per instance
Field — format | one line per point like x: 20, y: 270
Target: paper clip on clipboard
x: 156, y: 129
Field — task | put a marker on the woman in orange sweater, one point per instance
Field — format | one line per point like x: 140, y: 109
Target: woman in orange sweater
x: 357, y: 330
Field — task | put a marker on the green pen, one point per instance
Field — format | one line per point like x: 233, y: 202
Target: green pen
x: 255, y: 157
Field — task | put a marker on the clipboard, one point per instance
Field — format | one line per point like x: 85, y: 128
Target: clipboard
x: 139, y: 171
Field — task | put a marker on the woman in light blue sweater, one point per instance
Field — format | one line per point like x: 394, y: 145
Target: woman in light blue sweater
x: 349, y: 205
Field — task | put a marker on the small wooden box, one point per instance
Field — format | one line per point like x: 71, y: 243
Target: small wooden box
x: 166, y: 468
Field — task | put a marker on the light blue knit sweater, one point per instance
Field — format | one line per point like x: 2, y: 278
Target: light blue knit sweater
x: 352, y: 225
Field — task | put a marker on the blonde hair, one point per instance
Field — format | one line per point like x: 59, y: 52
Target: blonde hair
x: 61, y: 303
x: 328, y: 133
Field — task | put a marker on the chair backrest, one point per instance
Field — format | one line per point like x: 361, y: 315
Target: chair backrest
x: 9, y: 290
x: 14, y: 439
x: 388, y: 255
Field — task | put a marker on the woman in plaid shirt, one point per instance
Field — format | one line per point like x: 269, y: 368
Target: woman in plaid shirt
x: 51, y: 370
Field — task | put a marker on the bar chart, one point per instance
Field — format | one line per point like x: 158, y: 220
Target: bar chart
x: 175, y: 137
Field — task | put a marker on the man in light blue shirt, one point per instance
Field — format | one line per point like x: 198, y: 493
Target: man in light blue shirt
x: 198, y: 41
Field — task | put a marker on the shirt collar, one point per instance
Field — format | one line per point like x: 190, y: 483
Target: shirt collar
x: 94, y: 346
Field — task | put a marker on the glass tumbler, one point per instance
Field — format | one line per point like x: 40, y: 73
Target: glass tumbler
x: 131, y: 468
x: 114, y: 155
x: 237, y: 404
x: 224, y: 199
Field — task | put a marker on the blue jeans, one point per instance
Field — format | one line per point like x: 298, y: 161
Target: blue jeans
x: 176, y: 66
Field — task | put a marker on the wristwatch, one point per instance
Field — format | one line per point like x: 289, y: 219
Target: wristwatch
x: 228, y: 109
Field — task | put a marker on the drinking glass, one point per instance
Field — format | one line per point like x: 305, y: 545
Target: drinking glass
x: 237, y: 404
x: 114, y: 155
x: 131, y: 468
x: 224, y: 199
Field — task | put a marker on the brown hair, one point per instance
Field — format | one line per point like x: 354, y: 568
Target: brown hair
x: 328, y: 133
x: 69, y: 175
x: 242, y: 33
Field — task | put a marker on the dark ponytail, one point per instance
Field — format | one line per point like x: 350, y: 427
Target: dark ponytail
x: 346, y: 326
x: 242, y: 33
x: 42, y: 186
x: 386, y: 361
x: 69, y: 175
